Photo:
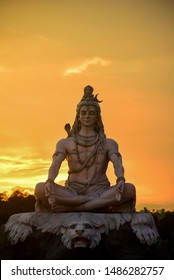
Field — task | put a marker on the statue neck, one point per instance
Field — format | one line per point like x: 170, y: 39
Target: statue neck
x: 87, y: 131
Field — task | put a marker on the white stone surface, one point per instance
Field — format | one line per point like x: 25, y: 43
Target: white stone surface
x: 80, y: 229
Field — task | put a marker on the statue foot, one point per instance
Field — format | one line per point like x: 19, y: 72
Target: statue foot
x: 60, y: 208
x: 40, y: 208
x: 128, y: 206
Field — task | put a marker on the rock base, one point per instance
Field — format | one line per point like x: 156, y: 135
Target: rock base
x: 120, y: 237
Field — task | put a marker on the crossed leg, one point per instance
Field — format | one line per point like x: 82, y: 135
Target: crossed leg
x: 108, y: 198
x: 62, y: 196
x: 66, y: 201
x: 107, y: 201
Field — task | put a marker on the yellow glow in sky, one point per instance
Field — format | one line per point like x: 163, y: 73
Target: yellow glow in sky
x: 50, y: 50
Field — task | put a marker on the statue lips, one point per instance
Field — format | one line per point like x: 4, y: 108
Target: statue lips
x: 87, y: 121
x: 80, y: 241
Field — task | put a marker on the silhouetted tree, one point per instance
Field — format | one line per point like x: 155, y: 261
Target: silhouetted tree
x: 18, y: 202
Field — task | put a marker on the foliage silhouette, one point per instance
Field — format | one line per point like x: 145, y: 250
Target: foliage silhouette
x: 17, y: 202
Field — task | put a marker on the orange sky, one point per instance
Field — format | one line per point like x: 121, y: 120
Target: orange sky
x: 50, y: 50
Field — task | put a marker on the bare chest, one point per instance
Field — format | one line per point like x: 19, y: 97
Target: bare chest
x: 79, y: 153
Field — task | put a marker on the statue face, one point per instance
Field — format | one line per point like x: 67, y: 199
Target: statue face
x: 88, y: 116
x: 82, y: 232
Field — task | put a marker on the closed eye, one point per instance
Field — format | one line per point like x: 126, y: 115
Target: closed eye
x: 73, y: 226
x: 87, y: 225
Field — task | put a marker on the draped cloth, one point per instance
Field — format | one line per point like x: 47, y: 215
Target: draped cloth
x: 92, y: 189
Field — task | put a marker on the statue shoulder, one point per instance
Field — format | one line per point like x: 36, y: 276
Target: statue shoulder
x: 64, y: 143
x: 63, y: 146
x: 61, y: 143
x: 111, y: 144
x: 112, y: 148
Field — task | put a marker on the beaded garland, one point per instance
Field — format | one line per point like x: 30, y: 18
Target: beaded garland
x: 86, y: 143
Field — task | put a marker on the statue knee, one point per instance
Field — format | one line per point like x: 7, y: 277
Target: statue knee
x: 130, y: 188
x: 39, y: 190
x: 133, y: 189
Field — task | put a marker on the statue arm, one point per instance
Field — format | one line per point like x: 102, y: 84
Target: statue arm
x: 116, y: 158
x: 118, y: 167
x: 58, y: 158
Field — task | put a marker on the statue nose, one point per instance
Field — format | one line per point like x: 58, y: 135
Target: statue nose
x: 79, y: 231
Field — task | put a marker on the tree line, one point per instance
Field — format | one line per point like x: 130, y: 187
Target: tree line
x: 17, y: 202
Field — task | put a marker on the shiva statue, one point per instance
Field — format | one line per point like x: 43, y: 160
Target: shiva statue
x: 88, y: 152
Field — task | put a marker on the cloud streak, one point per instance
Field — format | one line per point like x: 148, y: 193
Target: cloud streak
x: 25, y: 172
x: 83, y: 67
x: 40, y: 37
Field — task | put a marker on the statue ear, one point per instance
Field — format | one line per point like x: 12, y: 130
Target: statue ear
x: 100, y: 229
x: 63, y: 229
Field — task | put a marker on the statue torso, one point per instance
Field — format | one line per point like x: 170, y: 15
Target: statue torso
x: 96, y: 166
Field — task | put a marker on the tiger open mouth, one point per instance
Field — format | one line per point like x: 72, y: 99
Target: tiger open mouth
x: 80, y: 242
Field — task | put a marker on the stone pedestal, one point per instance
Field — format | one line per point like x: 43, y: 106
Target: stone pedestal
x: 80, y: 236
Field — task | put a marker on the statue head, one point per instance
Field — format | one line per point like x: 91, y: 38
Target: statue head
x: 88, y: 99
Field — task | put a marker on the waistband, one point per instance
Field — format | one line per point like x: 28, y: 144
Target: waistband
x: 81, y: 188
